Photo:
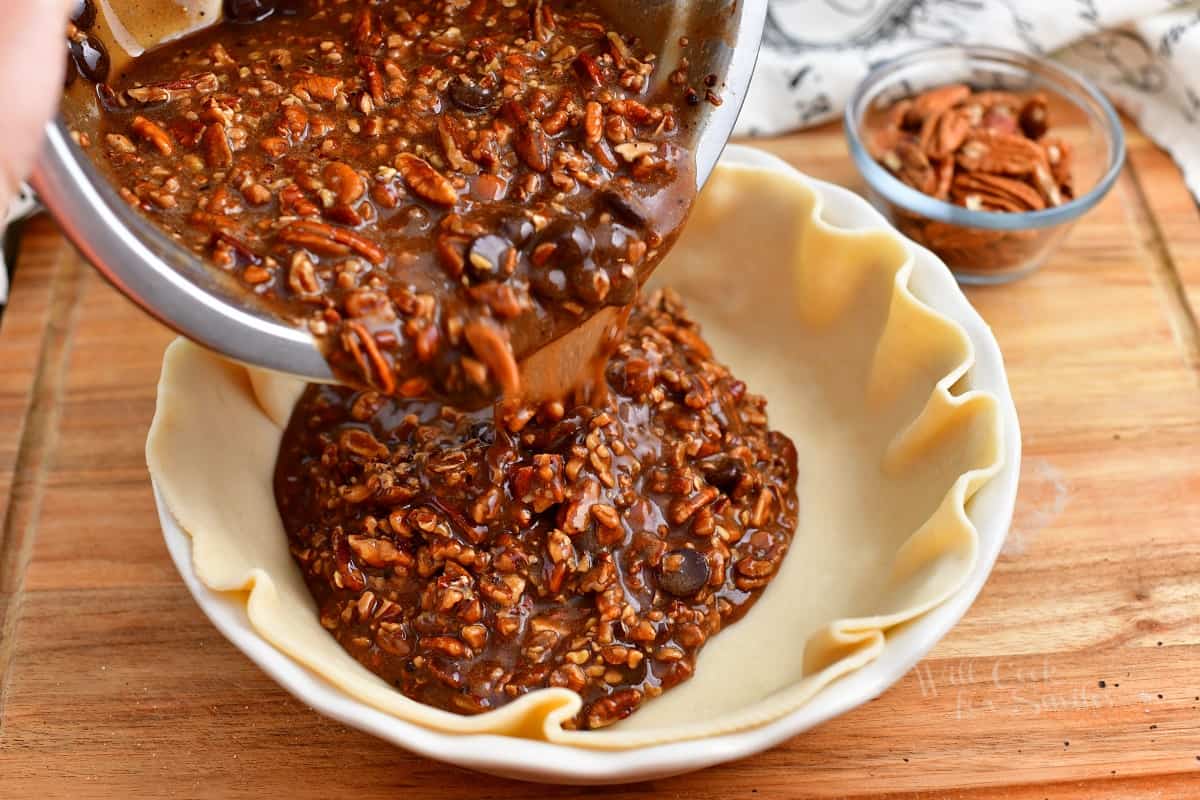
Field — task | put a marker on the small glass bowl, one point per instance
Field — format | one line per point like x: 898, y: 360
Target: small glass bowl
x: 984, y: 247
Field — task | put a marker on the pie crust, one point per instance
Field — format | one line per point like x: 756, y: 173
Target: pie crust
x: 870, y: 384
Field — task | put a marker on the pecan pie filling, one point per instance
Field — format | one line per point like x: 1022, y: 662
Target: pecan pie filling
x: 471, y: 557
x: 437, y: 189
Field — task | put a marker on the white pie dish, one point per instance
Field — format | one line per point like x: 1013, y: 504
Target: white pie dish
x: 990, y: 510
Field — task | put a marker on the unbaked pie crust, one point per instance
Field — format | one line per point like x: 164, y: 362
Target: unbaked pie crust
x: 865, y: 379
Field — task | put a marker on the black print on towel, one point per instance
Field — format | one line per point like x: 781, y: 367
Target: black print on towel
x: 1122, y: 57
x: 866, y: 24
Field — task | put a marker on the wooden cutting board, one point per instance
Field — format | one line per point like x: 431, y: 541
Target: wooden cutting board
x: 1075, y: 675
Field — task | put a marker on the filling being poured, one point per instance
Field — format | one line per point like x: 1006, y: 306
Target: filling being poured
x: 436, y: 189
x: 530, y: 478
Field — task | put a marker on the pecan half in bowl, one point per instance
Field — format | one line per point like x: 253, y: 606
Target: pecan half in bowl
x: 955, y: 149
x: 908, y: 447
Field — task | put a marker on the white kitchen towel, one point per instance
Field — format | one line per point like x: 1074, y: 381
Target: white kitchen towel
x: 1145, y: 54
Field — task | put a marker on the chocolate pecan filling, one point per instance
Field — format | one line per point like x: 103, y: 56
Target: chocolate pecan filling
x: 437, y: 189
x: 471, y: 557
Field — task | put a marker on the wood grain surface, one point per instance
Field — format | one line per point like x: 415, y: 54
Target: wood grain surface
x: 1075, y: 675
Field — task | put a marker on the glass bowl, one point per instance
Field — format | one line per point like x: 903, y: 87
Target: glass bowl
x: 980, y: 246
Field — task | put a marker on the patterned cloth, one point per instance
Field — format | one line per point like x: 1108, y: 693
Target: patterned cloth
x: 1145, y: 54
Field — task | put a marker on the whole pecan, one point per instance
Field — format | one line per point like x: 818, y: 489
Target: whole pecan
x: 934, y: 102
x: 1000, y: 154
x: 944, y: 133
x: 995, y: 193
x: 909, y: 162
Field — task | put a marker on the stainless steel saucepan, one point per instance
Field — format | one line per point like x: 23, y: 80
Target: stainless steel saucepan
x: 719, y: 37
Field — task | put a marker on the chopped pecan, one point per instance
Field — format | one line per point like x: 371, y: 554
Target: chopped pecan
x: 588, y: 70
x: 632, y: 151
x: 491, y: 345
x: 373, y: 79
x: 171, y: 90
x: 426, y: 181
x: 293, y: 201
x: 533, y: 146
x: 613, y: 708
x: 375, y: 369
x: 945, y: 176
x: 256, y: 194
x: 361, y: 443
x: 448, y: 135
x: 682, y: 508
x: 347, y: 185
x: 367, y: 34
x: 302, y: 276
x: 593, y: 126
x: 153, y: 134
x: 118, y: 143
x: 237, y: 245
x: 294, y: 123
x: 217, y: 154
x: 449, y: 645
x: 320, y: 87
x: 348, y: 575
x: 378, y: 552
x: 326, y: 240
x: 503, y: 300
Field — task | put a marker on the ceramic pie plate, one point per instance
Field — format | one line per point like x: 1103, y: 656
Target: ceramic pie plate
x: 872, y: 360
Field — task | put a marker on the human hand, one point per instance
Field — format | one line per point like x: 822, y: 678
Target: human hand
x: 32, y: 59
